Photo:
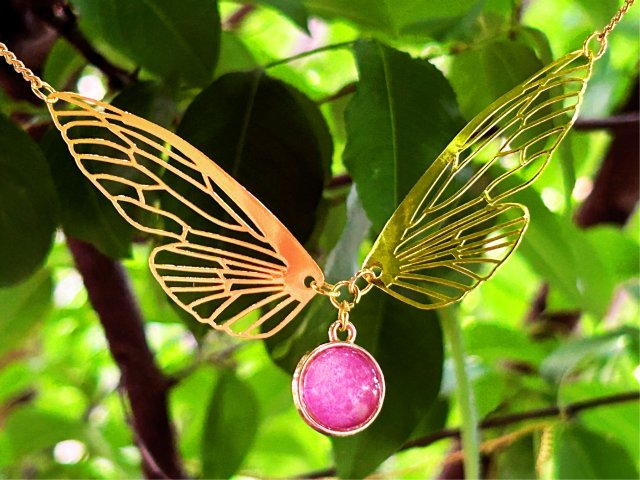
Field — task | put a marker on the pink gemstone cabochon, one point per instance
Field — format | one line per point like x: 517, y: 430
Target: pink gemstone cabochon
x: 338, y: 388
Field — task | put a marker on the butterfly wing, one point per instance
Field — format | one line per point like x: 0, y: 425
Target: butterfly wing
x: 454, y: 228
x: 223, y: 257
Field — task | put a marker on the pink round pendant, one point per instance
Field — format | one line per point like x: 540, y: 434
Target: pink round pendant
x: 338, y: 388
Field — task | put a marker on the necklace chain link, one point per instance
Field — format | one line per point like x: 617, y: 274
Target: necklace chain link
x: 40, y: 88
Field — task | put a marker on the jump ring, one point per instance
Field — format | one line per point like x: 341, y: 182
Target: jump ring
x: 333, y: 332
x: 601, y: 38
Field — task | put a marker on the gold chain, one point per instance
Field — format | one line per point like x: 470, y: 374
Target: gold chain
x: 37, y: 84
x: 616, y: 19
x: 601, y: 37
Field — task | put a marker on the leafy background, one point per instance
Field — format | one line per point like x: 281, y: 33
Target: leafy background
x: 330, y: 142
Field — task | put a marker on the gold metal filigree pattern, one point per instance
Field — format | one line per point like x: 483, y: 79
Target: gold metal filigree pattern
x: 234, y: 265
x: 454, y: 228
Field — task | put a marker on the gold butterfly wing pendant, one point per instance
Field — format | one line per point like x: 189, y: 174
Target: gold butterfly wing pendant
x: 456, y: 226
x: 234, y: 266
x: 450, y: 233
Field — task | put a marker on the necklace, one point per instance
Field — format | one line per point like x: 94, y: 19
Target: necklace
x: 241, y: 271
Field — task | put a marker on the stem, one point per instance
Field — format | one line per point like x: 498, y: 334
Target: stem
x: 333, y: 46
x: 469, y: 429
x: 145, y: 384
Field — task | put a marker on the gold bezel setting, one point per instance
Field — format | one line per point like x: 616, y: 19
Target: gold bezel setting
x: 298, y: 383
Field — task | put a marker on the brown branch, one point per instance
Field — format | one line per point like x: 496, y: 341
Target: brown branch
x: 236, y: 18
x: 26, y: 396
x: 30, y: 39
x: 568, y: 411
x: 340, y: 181
x: 616, y: 186
x: 348, y: 89
x: 59, y: 16
x: 107, y: 285
x: 622, y: 120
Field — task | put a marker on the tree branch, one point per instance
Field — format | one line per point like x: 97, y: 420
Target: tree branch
x: 622, y: 120
x: 340, y: 181
x: 60, y: 17
x: 616, y: 187
x: 347, y: 89
x: 236, y: 18
x: 568, y: 411
x: 107, y: 285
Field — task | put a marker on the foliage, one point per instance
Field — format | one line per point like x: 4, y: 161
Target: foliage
x: 423, y: 68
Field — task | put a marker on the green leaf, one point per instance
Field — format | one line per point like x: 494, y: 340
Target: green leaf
x: 230, y: 427
x: 151, y: 101
x: 518, y: 460
x: 568, y: 356
x: 401, y: 117
x: 190, y: 416
x: 22, y: 307
x: 406, y: 342
x: 481, y: 75
x: 582, y: 454
x: 414, y: 18
x: 234, y: 55
x: 28, y: 207
x: 63, y: 62
x: 556, y: 249
x: 494, y: 343
x: 537, y: 40
x: 619, y: 421
x: 490, y: 390
x: 15, y: 378
x: 170, y: 39
x: 29, y: 429
x: 434, y: 420
x: 618, y: 251
x: 293, y: 9
x: 270, y: 138
x: 342, y: 262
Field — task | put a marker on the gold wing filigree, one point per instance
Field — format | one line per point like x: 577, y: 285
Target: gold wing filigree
x: 453, y: 230
x: 232, y: 265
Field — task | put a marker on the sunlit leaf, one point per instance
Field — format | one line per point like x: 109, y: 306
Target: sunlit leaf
x: 583, y: 454
x: 489, y: 341
x: 414, y: 18
x: 570, y: 355
x: 230, y: 427
x: 401, y: 117
x: 22, y: 306
x: 234, y: 55
x: 29, y: 429
x: 63, y: 62
x: 481, y: 75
